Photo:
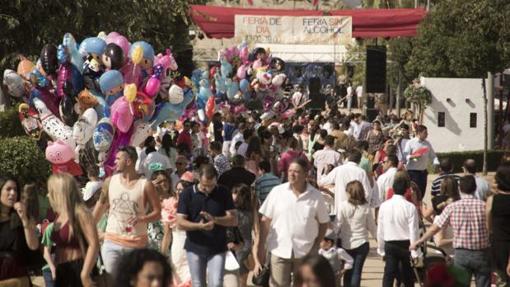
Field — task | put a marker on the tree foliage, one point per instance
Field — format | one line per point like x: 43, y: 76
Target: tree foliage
x: 27, y: 25
x: 462, y: 38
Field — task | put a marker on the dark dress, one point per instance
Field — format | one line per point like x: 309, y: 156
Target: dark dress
x: 13, y: 249
x: 500, y: 244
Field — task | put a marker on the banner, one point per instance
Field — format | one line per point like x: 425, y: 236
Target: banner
x: 322, y: 30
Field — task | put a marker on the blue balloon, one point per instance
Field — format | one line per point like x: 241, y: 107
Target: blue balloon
x: 92, y: 45
x: 110, y: 80
x: 232, y: 90
x: 226, y: 69
x: 219, y: 82
x: 148, y: 51
x: 188, y: 97
x: 243, y: 85
x: 167, y: 112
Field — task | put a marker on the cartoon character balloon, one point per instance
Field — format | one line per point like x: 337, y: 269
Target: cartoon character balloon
x: 103, y: 137
x: 147, y: 60
x: 49, y: 62
x: 61, y: 157
x: 15, y: 84
x: 113, y: 57
x: 52, y: 125
x: 112, y: 85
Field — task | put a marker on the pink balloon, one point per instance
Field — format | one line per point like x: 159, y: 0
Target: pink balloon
x: 132, y: 74
x: 243, y: 54
x: 241, y: 72
x: 152, y: 86
x: 121, y: 116
x: 120, y: 41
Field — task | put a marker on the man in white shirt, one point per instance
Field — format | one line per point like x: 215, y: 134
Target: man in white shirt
x: 349, y: 96
x: 482, y: 186
x: 295, y: 216
x: 342, y: 175
x: 326, y: 156
x: 238, y: 137
x: 417, y: 164
x: 398, y: 227
x: 359, y: 96
x: 385, y: 180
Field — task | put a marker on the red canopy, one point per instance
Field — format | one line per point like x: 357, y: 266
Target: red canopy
x: 218, y: 22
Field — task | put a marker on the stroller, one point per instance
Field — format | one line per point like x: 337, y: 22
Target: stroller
x: 421, y: 265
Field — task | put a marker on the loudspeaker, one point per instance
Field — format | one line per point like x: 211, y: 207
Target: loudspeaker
x: 376, y: 69
x: 372, y: 114
x: 317, y: 100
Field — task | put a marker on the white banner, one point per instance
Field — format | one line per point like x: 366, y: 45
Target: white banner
x: 319, y: 30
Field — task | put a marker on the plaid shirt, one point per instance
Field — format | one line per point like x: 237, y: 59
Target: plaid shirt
x: 467, y: 219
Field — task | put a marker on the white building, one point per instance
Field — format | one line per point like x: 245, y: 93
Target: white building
x: 455, y: 118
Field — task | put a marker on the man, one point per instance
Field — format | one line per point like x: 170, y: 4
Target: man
x: 220, y: 161
x: 204, y: 212
x: 470, y: 236
x: 397, y: 228
x: 482, y: 186
x: 326, y: 156
x: 237, y: 174
x: 265, y: 183
x: 247, y: 135
x: 217, y: 128
x: 296, y: 218
x: 417, y: 164
x: 446, y: 169
x: 184, y: 138
x: 238, y: 137
x: 342, y: 175
x: 349, y: 96
x: 127, y: 197
x: 385, y: 180
x: 196, y: 139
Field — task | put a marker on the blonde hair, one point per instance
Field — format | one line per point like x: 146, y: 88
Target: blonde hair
x: 65, y: 198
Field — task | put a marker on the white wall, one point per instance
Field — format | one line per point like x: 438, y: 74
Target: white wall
x: 457, y: 135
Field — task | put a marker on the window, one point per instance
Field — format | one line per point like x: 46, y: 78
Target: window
x: 472, y: 120
x: 441, y: 119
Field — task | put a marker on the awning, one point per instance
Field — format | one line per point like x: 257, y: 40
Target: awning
x: 218, y: 22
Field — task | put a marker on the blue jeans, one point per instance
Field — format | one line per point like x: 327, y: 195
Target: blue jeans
x: 111, y: 253
x: 474, y: 262
x: 212, y: 267
x: 48, y: 280
x: 352, y: 278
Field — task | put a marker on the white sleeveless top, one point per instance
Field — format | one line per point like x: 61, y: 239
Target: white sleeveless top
x: 126, y: 203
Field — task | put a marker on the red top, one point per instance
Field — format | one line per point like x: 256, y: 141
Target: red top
x: 185, y: 138
x: 61, y: 238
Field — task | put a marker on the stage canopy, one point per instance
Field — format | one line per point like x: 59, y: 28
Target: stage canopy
x: 218, y: 22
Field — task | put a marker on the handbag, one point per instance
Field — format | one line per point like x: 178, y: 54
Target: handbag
x: 263, y: 278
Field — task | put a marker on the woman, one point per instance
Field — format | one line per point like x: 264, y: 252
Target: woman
x: 247, y: 216
x: 315, y: 271
x: 375, y: 137
x: 73, y: 233
x: 168, y: 149
x: 160, y: 234
x: 355, y: 220
x: 387, y: 149
x: 449, y: 192
x: 17, y: 235
x: 498, y: 216
x: 178, y: 258
x: 143, y: 268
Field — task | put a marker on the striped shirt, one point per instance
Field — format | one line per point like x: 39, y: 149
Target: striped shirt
x: 467, y: 219
x: 264, y: 185
x: 436, y: 184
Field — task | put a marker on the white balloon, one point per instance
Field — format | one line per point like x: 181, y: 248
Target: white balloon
x: 141, y: 131
x: 83, y: 129
x: 14, y: 83
x: 52, y: 125
x: 278, y: 80
x: 201, y: 115
x: 175, y: 95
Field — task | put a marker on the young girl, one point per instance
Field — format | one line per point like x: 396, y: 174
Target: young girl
x: 160, y: 233
x: 73, y: 234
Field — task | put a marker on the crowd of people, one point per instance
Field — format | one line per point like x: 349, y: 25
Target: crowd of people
x: 293, y: 201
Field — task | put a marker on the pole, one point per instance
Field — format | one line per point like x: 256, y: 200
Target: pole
x: 486, y: 129
x: 399, y: 90
x: 490, y: 110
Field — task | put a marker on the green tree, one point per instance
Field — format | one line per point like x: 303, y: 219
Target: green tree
x: 462, y: 38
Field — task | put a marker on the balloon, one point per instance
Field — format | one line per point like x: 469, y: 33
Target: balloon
x: 83, y: 129
x: 103, y: 135
x: 243, y: 85
x: 53, y: 126
x: 167, y: 61
x: 92, y: 46
x: 72, y: 48
x: 143, y: 106
x: 137, y: 55
x: 61, y: 155
x: 201, y: 115
x: 168, y: 112
x: 66, y: 109
x: 113, y: 57
x: 86, y: 100
x: 102, y: 35
x: 130, y: 92
x: 226, y: 69
x: 14, y: 83
x: 243, y: 54
x: 175, y: 95
x: 49, y: 100
x: 152, y: 86
x: 103, y: 107
x: 241, y: 71
x: 111, y: 82
x: 210, y: 108
x: 49, y: 61
x: 264, y: 78
x: 24, y: 69
x: 121, y: 116
x: 219, y: 82
x: 120, y: 41
x: 132, y: 74
x: 120, y: 139
x: 232, y: 89
x: 141, y: 131
x: 278, y: 80
x: 69, y: 74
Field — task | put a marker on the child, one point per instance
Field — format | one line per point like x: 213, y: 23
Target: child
x: 90, y: 191
x: 338, y: 258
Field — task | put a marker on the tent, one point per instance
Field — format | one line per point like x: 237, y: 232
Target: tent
x: 218, y: 22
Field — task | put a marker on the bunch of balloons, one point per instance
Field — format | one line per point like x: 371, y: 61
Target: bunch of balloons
x: 100, y: 94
